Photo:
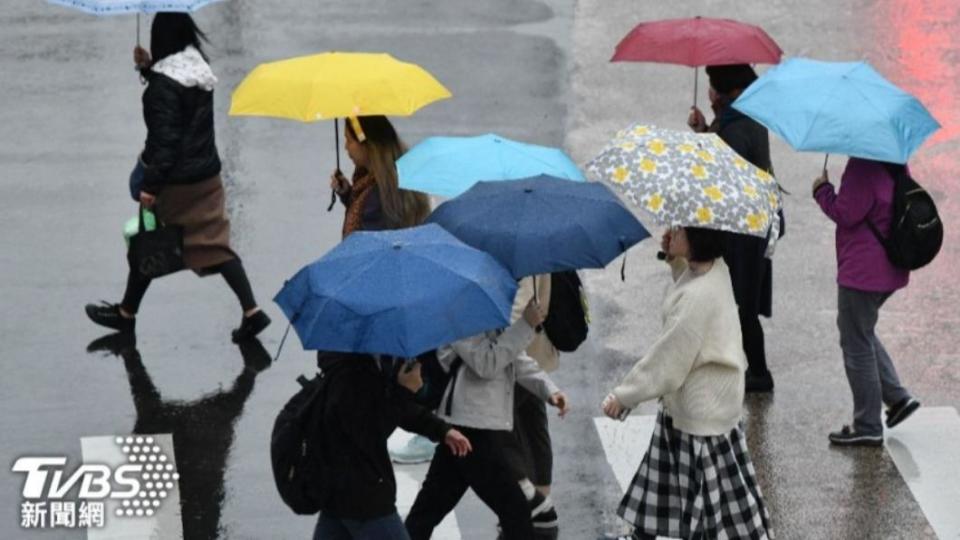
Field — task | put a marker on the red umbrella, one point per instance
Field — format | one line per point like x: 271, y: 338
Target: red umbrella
x: 700, y: 41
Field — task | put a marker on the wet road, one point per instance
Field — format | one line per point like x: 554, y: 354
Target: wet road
x: 70, y: 127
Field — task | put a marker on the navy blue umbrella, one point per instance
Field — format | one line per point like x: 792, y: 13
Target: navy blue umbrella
x: 399, y: 293
x: 542, y: 224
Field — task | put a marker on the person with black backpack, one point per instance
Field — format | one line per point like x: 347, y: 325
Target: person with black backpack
x: 866, y: 213
x: 363, y: 405
x: 561, y: 298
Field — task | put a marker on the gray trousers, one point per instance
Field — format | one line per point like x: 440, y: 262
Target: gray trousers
x: 870, y: 372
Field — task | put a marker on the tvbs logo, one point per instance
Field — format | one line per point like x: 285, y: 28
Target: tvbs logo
x: 140, y: 485
x: 93, y: 480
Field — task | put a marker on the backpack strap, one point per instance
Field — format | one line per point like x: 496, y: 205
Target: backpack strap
x: 896, y: 172
x: 454, y: 371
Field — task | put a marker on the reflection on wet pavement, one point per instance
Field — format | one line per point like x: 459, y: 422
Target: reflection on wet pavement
x: 202, y: 429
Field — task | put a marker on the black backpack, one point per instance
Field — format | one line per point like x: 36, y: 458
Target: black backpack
x: 916, y: 232
x: 299, y: 469
x: 567, y: 319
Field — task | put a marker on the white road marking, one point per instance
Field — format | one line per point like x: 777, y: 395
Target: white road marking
x: 926, y: 450
x: 409, y: 479
x: 165, y: 523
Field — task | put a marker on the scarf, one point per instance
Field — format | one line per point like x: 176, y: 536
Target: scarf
x: 363, y: 183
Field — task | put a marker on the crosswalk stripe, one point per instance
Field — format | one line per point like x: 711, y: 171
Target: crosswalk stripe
x: 926, y: 451
x: 165, y: 523
x: 409, y: 480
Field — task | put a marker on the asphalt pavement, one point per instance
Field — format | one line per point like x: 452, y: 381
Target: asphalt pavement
x: 71, y: 127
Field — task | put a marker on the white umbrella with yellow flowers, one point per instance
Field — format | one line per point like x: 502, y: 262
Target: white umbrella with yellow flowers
x: 690, y: 179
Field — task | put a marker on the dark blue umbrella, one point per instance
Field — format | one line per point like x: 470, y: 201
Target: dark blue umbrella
x: 542, y: 224
x: 398, y: 293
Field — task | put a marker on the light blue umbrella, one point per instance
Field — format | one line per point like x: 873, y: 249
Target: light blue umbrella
x: 119, y: 7
x: 448, y: 166
x: 838, y: 108
x: 116, y: 7
x: 399, y: 293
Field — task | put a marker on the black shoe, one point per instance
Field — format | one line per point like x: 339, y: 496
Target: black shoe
x: 901, y: 411
x: 251, y: 326
x: 848, y: 437
x: 116, y: 343
x: 546, y: 524
x: 108, y: 315
x: 759, y: 383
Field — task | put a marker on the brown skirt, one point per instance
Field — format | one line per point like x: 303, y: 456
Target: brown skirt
x: 199, y: 209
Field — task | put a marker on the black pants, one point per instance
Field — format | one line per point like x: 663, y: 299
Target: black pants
x: 753, y: 343
x: 487, y: 472
x: 530, y: 451
x: 232, y: 271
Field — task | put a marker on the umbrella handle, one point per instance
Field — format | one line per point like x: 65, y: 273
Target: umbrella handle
x: 282, y: 341
x: 336, y: 146
x: 696, y: 79
x: 138, y: 29
x: 825, y: 158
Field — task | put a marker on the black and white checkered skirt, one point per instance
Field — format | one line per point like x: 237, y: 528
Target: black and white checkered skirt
x: 689, y: 486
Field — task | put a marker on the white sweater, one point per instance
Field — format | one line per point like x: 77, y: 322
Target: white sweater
x: 697, y: 363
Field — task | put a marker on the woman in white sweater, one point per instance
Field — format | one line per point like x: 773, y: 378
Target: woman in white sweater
x: 696, y: 479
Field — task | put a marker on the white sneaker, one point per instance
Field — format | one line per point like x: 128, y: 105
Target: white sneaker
x: 418, y: 449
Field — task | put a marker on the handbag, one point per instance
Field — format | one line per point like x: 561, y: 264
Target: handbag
x: 136, y: 179
x: 158, y: 252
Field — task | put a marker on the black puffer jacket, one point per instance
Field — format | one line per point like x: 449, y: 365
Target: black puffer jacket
x: 180, y: 147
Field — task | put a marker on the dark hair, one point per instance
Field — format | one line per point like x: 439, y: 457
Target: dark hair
x: 172, y: 33
x: 376, y: 129
x: 726, y: 79
x: 705, y: 244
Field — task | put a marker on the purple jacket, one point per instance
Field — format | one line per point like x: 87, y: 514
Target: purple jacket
x: 866, y: 194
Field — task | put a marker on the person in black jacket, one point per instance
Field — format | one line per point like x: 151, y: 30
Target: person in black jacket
x: 181, y: 170
x: 365, y: 405
x: 751, y: 271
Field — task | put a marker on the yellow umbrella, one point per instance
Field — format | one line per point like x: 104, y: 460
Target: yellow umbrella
x: 336, y: 85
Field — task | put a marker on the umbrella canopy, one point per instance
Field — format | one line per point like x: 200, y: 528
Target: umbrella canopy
x: 115, y: 7
x: 336, y: 85
x: 542, y: 224
x: 398, y: 293
x: 838, y: 108
x: 690, y: 179
x: 448, y: 166
x: 697, y: 41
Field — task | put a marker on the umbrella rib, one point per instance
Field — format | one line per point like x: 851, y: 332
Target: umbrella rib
x: 816, y: 115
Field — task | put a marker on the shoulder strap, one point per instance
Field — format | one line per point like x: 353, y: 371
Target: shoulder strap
x: 454, y: 371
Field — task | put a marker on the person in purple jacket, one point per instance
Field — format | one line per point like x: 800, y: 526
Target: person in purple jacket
x: 866, y: 279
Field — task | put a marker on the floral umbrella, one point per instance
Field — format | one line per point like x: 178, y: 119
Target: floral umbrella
x: 690, y: 179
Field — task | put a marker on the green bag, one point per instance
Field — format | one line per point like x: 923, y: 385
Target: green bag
x: 133, y: 224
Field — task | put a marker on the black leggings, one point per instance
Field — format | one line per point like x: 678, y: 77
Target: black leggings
x: 232, y: 271
x: 753, y: 342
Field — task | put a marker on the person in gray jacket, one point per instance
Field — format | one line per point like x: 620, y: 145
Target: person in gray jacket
x: 479, y: 402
